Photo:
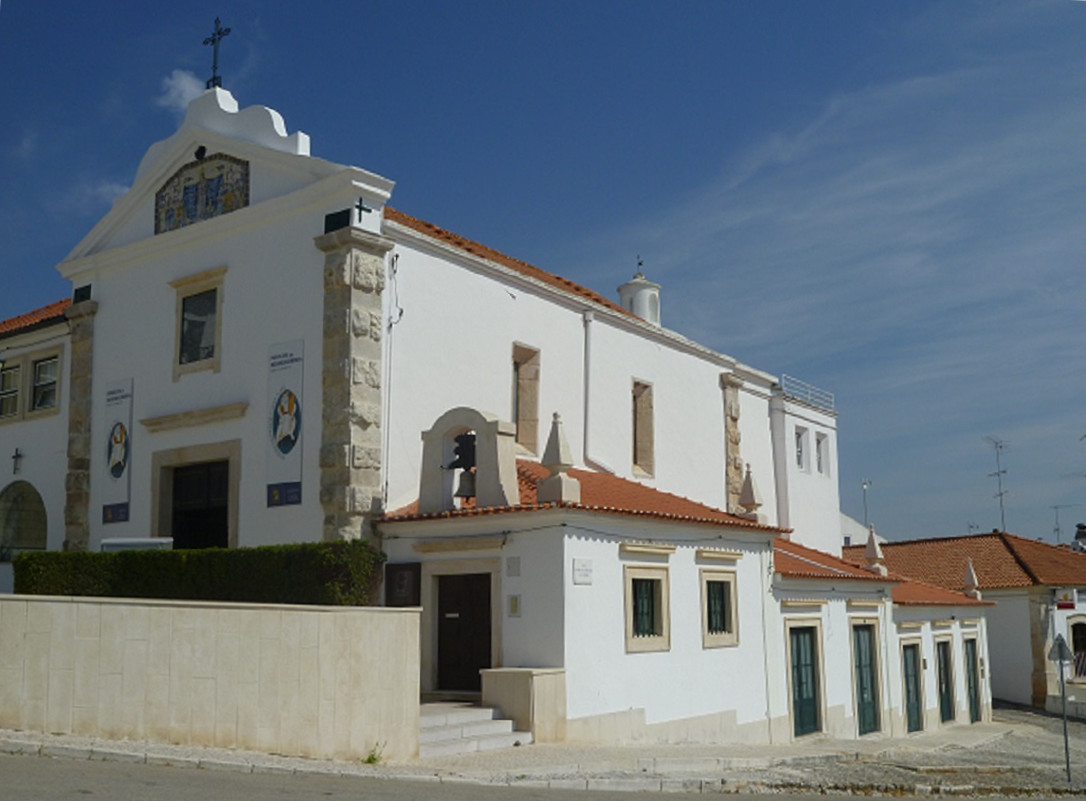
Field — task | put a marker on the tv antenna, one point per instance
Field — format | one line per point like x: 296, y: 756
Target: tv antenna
x: 865, y: 484
x: 1057, y: 508
x: 999, y: 446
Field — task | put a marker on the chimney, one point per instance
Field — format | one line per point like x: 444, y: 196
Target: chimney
x: 642, y: 297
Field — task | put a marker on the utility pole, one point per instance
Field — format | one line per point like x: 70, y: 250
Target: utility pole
x: 999, y: 445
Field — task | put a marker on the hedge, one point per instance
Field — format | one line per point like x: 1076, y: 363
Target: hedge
x: 322, y: 573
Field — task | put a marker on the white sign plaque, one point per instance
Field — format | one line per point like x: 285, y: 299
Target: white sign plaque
x: 582, y: 571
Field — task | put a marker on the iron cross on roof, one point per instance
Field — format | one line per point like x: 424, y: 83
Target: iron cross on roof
x: 214, y: 40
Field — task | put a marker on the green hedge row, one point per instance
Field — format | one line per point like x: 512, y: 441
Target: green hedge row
x: 324, y: 573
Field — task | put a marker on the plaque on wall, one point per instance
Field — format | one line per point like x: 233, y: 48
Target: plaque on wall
x: 201, y: 190
x: 403, y: 584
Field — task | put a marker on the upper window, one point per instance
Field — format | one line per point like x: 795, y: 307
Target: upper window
x: 198, y: 339
x: 648, y: 627
x: 822, y: 454
x: 526, y: 396
x: 30, y: 385
x: 801, y: 448
x: 644, y: 462
x: 45, y: 383
x: 9, y: 391
x: 718, y: 607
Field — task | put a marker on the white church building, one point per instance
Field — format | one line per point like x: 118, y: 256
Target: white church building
x: 614, y: 533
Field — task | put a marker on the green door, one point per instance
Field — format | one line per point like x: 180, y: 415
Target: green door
x: 972, y: 681
x: 910, y: 658
x: 804, y: 680
x: 946, y: 681
x: 867, y: 686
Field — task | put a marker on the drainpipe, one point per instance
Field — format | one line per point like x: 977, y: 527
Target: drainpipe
x: 589, y: 317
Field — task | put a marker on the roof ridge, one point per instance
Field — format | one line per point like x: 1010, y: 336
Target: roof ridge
x: 526, y: 269
x: 1003, y: 535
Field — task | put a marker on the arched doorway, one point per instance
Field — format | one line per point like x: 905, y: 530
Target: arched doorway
x: 23, y: 524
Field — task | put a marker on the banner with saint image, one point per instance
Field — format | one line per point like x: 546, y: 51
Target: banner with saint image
x: 118, y: 453
x: 284, y: 423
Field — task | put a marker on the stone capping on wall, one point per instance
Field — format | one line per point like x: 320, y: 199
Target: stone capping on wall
x: 310, y: 681
x: 195, y: 417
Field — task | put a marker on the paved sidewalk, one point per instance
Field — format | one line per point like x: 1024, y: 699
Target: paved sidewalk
x: 956, y: 760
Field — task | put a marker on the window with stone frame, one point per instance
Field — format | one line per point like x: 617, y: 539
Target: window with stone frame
x: 525, y: 412
x: 10, y: 381
x: 198, y: 337
x: 44, y: 391
x: 30, y: 385
x: 644, y: 462
x: 718, y: 609
x: 648, y: 625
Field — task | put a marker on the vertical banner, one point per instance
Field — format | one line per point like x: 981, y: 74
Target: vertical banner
x: 116, y: 487
x: 284, y: 423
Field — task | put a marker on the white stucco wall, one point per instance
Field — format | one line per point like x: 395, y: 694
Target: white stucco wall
x: 1009, y: 645
x: 42, y: 441
x: 687, y: 680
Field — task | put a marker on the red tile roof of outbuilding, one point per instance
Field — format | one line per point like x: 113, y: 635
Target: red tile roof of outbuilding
x: 1001, y: 560
x: 600, y: 492
x: 38, y: 317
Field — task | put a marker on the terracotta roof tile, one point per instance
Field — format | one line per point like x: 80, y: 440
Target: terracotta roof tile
x: 797, y: 561
x: 600, y: 492
x: 1000, y: 560
x: 24, y: 322
x: 522, y: 267
x: 911, y: 592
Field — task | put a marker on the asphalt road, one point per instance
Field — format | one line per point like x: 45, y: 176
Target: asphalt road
x: 28, y: 778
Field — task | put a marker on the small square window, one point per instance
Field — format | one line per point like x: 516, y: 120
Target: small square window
x: 9, y: 391
x: 647, y: 616
x: 45, y: 383
x: 718, y: 609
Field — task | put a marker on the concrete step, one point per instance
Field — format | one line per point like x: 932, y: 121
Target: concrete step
x: 459, y: 727
x: 475, y: 728
x: 473, y: 744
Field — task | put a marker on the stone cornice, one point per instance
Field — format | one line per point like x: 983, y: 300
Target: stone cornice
x: 195, y: 417
x: 353, y: 237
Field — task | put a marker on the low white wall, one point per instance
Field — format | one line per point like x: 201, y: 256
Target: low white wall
x: 327, y: 682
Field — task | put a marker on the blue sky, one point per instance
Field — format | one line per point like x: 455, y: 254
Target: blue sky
x: 886, y: 200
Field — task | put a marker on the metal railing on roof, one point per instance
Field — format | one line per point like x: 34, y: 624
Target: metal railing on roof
x: 806, y: 393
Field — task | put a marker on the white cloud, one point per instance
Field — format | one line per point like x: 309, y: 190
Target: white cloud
x: 179, y: 88
x: 98, y: 194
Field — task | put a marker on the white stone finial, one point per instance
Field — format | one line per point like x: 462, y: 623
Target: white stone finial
x: 559, y: 486
x: 972, y: 584
x: 873, y: 558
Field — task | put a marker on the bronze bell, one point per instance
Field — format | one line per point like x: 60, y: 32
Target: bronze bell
x: 466, y: 487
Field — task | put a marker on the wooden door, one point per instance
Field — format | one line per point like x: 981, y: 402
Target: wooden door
x: 867, y: 685
x: 805, y: 701
x: 200, y: 502
x: 463, y: 630
x: 972, y: 681
x: 946, y: 681
x: 910, y: 658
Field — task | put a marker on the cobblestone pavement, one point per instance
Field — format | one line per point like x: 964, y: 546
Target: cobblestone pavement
x: 1019, y: 753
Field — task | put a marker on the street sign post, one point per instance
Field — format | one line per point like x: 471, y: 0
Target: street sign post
x: 1060, y: 653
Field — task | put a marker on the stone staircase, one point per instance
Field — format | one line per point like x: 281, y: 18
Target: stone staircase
x: 461, y: 727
